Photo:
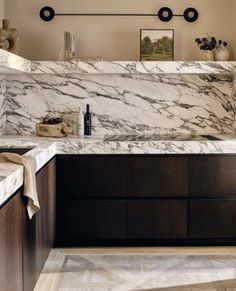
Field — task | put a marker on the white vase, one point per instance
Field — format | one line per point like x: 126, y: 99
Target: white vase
x: 206, y: 55
x: 222, y: 54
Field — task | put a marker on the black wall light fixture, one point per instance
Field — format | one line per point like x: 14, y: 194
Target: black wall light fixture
x: 165, y: 14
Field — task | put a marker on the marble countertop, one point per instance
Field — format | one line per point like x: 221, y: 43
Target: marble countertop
x: 12, y: 64
x: 44, y: 149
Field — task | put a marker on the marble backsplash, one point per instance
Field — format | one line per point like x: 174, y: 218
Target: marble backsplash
x: 134, y: 103
x: 2, y: 104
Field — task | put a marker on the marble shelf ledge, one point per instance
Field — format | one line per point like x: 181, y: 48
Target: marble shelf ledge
x: 134, y: 67
x: 11, y: 64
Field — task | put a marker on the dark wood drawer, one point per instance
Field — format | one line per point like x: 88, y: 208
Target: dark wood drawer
x: 212, y: 218
x: 11, y: 245
x: 91, y: 219
x: 157, y: 219
x: 213, y: 176
x: 91, y: 176
x: 157, y: 176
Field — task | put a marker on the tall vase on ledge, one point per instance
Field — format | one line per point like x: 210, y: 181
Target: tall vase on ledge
x: 222, y: 52
x: 207, y: 55
x: 206, y: 45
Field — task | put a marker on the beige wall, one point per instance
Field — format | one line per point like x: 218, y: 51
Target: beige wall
x: 1, y: 9
x: 233, y: 24
x: 115, y: 38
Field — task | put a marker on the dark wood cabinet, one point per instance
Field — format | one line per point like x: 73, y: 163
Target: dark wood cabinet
x: 212, y: 218
x: 212, y: 176
x: 91, y: 176
x: 11, y: 245
x: 39, y: 233
x: 180, y: 198
x: 95, y: 198
x: 150, y: 176
x: 91, y: 219
x: 157, y: 219
x: 212, y: 191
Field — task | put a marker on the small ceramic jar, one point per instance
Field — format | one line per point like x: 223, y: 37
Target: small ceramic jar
x: 222, y: 53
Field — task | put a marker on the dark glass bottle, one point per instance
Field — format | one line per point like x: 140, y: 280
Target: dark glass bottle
x: 87, y: 121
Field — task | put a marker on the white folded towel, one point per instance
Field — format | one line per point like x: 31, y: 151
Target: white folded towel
x: 30, y: 189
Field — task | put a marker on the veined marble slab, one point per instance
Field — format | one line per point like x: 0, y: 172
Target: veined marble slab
x: 185, y: 104
x: 2, y: 104
x: 126, y: 97
x: 73, y: 146
x: 47, y: 148
x: 133, y: 67
x: 11, y: 175
x: 11, y: 179
x: 11, y: 63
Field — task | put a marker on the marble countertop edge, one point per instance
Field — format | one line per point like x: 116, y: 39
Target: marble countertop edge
x: 11, y: 180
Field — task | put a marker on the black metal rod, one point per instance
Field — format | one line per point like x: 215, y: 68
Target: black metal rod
x: 101, y: 14
x: 109, y: 14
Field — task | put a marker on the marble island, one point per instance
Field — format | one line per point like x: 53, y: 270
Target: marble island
x: 44, y: 149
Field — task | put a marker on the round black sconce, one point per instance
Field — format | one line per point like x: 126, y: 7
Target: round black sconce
x: 47, y: 13
x: 165, y: 14
x: 191, y: 14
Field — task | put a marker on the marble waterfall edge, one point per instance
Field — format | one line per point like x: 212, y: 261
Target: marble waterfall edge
x: 125, y: 103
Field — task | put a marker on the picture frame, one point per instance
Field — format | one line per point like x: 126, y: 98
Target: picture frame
x: 156, y: 44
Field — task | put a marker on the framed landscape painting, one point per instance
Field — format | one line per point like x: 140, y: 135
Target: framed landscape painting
x: 157, y: 45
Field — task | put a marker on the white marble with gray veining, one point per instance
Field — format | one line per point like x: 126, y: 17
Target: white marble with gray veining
x: 133, y: 67
x: 11, y: 63
x: 11, y: 175
x: 126, y: 97
x: 186, y: 104
x: 2, y: 104
x: 73, y: 145
x: 11, y: 179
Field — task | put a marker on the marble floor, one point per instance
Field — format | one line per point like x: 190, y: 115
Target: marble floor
x: 124, y: 269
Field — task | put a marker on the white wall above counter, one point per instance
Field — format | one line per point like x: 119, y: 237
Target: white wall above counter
x: 11, y: 64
